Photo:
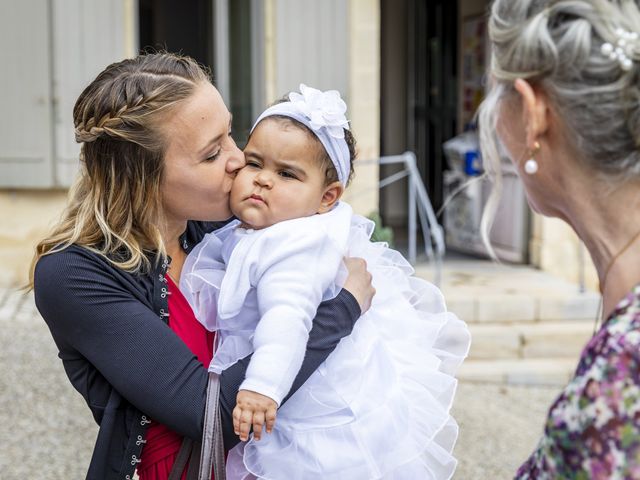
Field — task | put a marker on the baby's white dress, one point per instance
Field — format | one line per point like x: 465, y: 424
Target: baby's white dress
x: 379, y: 406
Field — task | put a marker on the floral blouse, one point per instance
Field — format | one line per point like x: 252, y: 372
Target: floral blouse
x: 593, y: 428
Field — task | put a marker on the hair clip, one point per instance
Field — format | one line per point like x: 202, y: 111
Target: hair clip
x: 622, y: 49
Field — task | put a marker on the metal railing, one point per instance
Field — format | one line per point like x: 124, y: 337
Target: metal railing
x: 419, y: 208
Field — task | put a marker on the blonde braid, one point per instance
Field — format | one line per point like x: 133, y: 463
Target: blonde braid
x: 115, y: 206
x: 89, y: 129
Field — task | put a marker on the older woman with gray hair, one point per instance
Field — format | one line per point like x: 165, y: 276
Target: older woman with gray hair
x: 565, y: 102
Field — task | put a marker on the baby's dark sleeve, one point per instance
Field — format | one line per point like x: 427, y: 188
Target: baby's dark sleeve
x: 334, y: 320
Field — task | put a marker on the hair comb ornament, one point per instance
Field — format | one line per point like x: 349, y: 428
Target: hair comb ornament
x: 623, y: 49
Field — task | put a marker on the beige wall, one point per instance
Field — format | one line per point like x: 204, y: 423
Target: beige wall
x: 27, y: 215
x: 364, y: 104
x: 25, y: 218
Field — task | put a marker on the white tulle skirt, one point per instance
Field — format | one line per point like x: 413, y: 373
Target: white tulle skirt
x: 379, y: 406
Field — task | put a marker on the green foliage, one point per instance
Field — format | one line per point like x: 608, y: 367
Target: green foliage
x: 380, y: 233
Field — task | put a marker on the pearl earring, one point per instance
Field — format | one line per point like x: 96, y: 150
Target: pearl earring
x: 531, y: 166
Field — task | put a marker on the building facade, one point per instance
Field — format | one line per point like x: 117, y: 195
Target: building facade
x: 400, y: 66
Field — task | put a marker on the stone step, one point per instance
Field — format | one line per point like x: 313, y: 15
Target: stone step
x: 481, y: 291
x: 564, y: 339
x: 510, y: 308
x: 536, y: 371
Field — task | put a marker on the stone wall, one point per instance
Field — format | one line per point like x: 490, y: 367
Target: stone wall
x: 364, y: 105
x: 25, y: 218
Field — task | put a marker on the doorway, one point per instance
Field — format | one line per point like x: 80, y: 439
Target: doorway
x: 419, y: 89
x: 181, y: 27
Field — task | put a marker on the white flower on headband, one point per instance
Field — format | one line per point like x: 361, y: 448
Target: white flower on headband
x: 324, y: 109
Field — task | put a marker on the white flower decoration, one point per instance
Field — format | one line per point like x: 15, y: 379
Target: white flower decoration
x: 324, y: 109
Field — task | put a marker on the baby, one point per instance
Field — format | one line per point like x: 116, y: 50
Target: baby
x: 379, y: 406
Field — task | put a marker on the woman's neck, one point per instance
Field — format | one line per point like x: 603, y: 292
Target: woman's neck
x: 171, y: 237
x: 607, y: 218
x: 171, y: 234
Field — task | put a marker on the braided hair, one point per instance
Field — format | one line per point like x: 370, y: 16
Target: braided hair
x: 114, y: 206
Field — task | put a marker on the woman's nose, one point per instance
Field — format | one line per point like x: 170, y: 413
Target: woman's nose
x: 236, y: 160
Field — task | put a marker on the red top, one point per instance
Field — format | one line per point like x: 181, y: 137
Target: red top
x: 162, y: 444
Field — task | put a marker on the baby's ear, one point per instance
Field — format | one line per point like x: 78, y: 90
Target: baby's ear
x: 331, y: 195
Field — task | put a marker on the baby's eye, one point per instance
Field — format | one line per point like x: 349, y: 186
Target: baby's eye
x: 288, y: 174
x: 253, y: 164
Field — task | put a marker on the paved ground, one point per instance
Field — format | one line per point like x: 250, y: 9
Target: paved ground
x: 499, y: 428
x: 48, y: 433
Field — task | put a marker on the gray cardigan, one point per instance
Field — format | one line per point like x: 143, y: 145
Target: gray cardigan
x: 130, y: 367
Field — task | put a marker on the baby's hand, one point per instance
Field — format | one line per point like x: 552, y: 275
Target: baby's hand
x: 253, y: 409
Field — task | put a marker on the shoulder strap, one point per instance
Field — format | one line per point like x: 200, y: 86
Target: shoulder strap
x: 181, y: 459
x: 212, y: 453
x: 208, y: 454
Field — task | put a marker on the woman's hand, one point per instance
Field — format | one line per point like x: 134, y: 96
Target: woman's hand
x: 358, y: 282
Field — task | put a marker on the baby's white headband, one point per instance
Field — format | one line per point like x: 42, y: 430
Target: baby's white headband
x: 324, y: 114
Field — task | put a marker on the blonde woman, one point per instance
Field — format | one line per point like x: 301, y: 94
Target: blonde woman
x: 157, y: 165
x: 565, y: 101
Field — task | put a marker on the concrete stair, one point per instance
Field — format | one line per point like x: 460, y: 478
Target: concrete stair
x: 545, y: 340
x: 543, y: 352
x: 527, y: 326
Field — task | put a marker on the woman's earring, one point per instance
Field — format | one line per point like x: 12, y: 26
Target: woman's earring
x: 531, y: 166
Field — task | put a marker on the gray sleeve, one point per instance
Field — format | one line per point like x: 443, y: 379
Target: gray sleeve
x: 109, y: 339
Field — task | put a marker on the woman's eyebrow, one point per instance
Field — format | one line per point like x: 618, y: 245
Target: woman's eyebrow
x: 217, y: 138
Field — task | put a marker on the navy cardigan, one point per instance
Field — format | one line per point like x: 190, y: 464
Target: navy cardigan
x: 111, y: 330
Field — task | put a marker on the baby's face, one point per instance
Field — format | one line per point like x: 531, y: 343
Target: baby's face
x: 282, y: 179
